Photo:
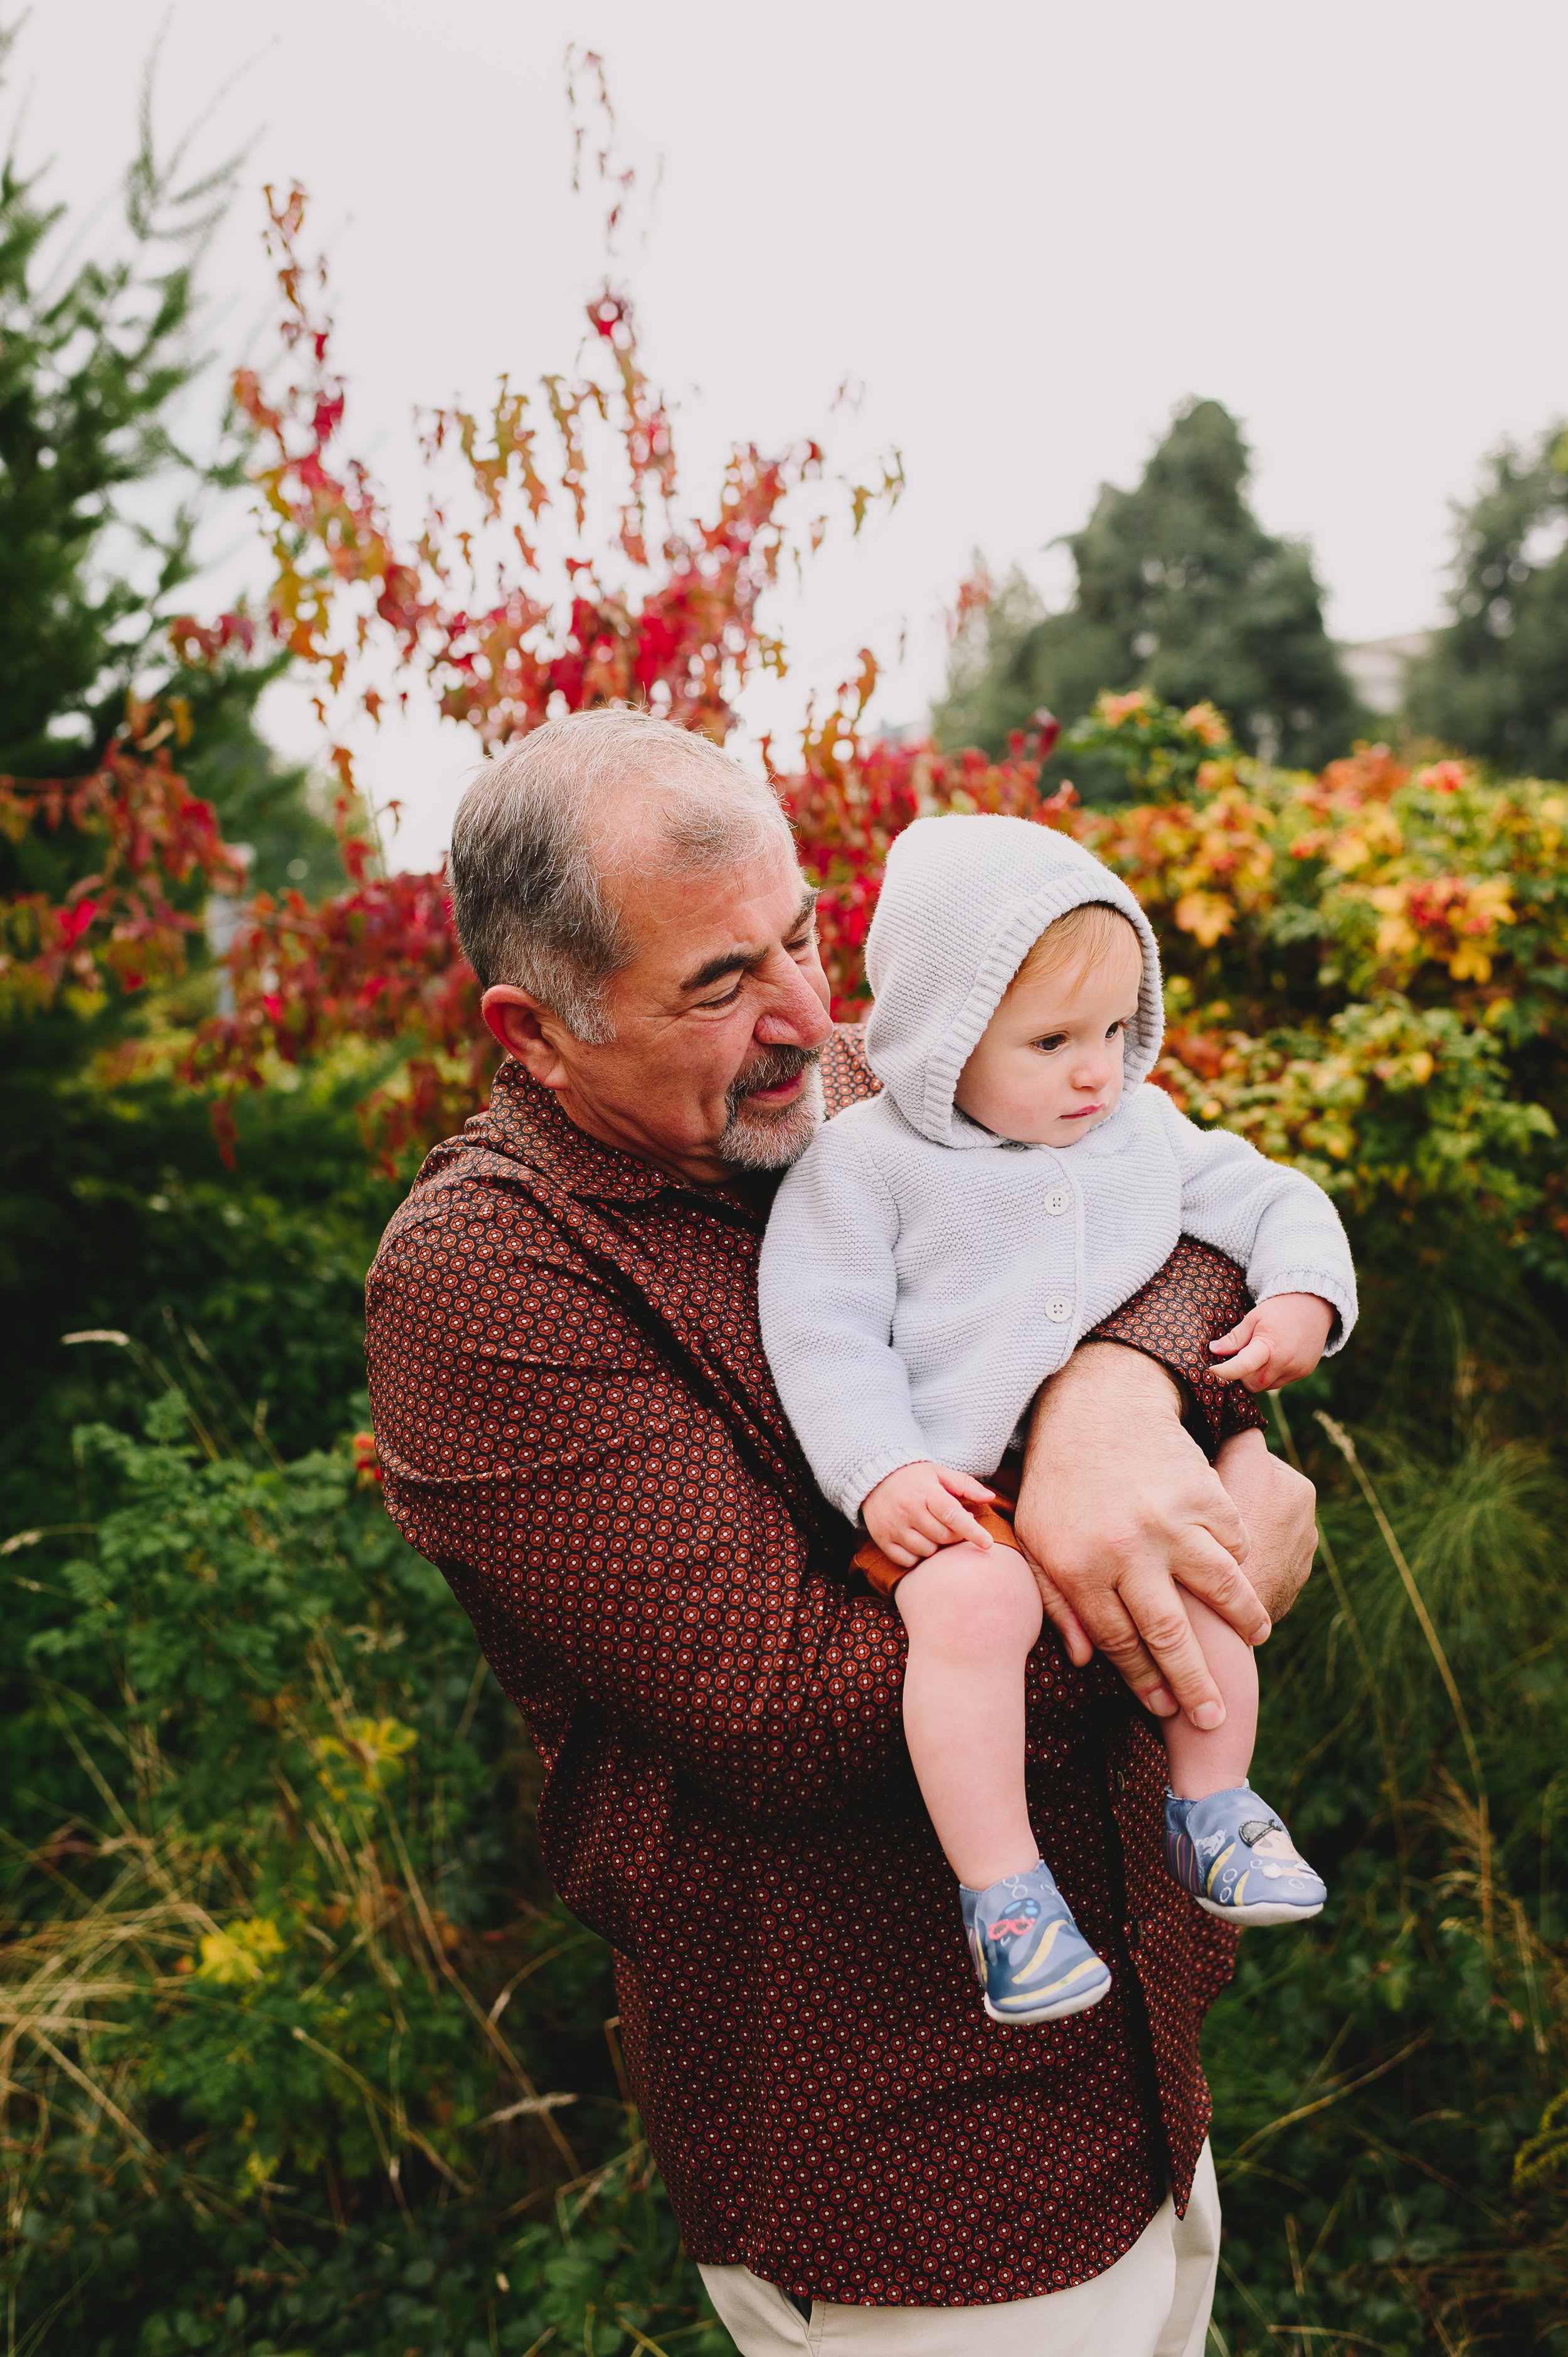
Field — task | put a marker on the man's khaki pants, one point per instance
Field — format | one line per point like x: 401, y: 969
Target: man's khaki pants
x: 1153, y: 2302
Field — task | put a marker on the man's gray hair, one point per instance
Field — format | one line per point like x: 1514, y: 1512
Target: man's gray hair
x: 535, y: 836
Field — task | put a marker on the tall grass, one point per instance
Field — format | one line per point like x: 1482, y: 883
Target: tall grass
x: 1382, y: 2080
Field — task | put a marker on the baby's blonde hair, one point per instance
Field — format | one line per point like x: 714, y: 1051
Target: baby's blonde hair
x: 1085, y: 936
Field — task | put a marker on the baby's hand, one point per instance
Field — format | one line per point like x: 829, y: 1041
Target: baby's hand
x: 912, y: 1513
x: 1278, y: 1343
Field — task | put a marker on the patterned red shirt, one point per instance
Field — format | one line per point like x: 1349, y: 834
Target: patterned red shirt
x: 577, y: 1424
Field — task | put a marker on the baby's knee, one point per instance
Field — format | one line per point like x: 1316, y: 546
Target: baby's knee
x: 975, y: 1603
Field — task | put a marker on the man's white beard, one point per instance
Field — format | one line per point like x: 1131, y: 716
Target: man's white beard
x: 770, y: 1137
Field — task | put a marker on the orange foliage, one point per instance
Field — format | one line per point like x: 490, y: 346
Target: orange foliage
x: 1367, y: 883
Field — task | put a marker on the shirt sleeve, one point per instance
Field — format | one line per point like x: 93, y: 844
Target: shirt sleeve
x: 826, y: 1292
x: 605, y: 1531
x: 1195, y: 1298
x: 1275, y: 1223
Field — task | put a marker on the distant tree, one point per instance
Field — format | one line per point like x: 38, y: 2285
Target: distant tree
x: 1179, y: 590
x: 1494, y: 682
x: 988, y: 691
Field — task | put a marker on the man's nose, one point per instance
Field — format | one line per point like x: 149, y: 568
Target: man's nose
x: 794, y: 1015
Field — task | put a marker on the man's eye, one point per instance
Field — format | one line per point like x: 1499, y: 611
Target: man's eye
x: 727, y: 999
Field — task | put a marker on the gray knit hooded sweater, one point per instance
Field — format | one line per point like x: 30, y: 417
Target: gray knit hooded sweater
x: 921, y: 1277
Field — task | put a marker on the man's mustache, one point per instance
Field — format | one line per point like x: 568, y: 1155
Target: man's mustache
x: 777, y: 1065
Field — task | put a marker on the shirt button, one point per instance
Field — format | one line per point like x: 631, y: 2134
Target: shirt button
x: 1057, y: 1201
x: 1058, y: 1310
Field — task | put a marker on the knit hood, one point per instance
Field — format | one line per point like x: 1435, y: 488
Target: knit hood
x: 964, y: 901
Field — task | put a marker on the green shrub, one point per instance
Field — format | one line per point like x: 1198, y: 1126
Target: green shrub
x: 301, y: 2052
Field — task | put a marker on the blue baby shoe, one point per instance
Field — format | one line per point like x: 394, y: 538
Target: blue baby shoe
x: 1033, y: 1962
x: 1237, y: 1860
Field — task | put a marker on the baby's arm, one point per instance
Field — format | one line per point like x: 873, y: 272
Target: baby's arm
x: 1279, y: 1226
x: 826, y: 1291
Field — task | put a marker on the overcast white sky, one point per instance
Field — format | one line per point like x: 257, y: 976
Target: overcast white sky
x: 1029, y: 231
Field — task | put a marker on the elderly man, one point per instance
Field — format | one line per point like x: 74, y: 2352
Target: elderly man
x: 577, y: 1424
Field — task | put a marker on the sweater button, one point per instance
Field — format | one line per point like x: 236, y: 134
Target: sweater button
x: 1057, y: 1201
x: 1058, y: 1310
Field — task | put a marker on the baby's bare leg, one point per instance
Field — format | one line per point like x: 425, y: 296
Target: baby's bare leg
x: 1218, y: 1761
x: 972, y: 1615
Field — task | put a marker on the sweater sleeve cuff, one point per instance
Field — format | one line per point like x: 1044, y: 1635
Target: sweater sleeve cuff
x: 851, y: 1492
x: 1328, y: 1284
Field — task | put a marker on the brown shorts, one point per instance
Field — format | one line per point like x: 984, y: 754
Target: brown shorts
x: 997, y: 1519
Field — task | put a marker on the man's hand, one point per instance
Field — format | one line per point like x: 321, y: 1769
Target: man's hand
x: 1118, y: 1505
x: 1278, y: 1343
x: 919, y: 1508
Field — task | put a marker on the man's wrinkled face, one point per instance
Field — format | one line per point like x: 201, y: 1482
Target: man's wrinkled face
x: 718, y: 1021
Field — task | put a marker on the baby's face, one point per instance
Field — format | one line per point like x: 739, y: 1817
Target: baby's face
x: 1047, y: 1067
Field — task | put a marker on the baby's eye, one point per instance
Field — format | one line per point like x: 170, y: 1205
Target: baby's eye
x: 1052, y: 1040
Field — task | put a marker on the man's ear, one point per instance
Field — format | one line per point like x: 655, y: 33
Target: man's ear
x: 527, y: 1030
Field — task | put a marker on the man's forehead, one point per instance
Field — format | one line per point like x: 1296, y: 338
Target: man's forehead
x: 681, y: 920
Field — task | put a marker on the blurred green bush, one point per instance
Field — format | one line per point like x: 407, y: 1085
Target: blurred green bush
x: 300, y: 2051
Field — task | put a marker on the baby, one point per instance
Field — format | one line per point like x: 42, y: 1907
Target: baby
x: 936, y: 1255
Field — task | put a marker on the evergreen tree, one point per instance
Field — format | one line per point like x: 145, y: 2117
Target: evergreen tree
x: 1179, y: 590
x: 100, y: 508
x: 93, y: 364
x: 1494, y: 682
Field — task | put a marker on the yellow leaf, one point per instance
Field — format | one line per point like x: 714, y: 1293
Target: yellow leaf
x: 1490, y: 902
x: 241, y: 1954
x: 371, y: 1745
x: 1206, y: 916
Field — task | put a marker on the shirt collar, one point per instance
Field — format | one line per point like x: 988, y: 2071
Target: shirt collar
x: 527, y: 1120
